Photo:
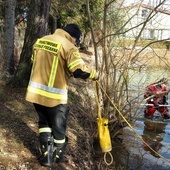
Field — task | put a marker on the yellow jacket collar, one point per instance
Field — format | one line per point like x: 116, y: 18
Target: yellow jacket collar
x: 65, y: 34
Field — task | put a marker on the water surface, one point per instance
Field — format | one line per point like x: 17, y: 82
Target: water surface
x: 155, y: 132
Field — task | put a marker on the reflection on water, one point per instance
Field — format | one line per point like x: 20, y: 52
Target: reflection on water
x: 132, y: 153
x: 155, y: 133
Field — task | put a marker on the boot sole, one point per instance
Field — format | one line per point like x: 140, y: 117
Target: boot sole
x: 46, y: 165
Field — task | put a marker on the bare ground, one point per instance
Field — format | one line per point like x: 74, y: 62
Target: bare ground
x: 19, y: 146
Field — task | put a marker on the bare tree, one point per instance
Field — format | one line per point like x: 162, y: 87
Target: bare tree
x: 37, y: 26
x: 120, y: 48
x: 8, y: 38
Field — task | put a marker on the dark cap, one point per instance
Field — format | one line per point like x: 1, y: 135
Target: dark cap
x: 74, y: 31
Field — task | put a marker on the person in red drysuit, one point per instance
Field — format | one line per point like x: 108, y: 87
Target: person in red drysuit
x: 157, y: 94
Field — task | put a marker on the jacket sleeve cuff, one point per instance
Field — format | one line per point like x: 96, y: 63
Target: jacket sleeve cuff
x: 94, y: 75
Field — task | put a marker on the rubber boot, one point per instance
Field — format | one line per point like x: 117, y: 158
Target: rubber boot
x: 47, y: 153
x: 59, y: 152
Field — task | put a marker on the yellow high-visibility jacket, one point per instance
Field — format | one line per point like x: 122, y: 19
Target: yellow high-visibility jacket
x: 55, y: 59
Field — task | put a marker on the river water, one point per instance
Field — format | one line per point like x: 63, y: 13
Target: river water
x: 156, y: 133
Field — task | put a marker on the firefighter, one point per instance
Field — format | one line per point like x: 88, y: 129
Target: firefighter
x: 55, y: 59
x: 157, y: 94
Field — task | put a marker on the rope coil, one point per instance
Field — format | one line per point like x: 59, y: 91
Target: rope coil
x: 105, y: 159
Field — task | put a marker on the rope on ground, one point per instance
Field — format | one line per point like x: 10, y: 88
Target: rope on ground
x: 139, y: 136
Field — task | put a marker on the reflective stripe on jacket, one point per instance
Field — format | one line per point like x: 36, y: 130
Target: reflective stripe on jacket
x: 55, y: 58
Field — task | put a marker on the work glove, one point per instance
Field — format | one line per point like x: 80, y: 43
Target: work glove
x: 155, y: 103
x: 96, y: 77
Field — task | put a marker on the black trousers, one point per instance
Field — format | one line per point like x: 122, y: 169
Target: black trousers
x: 54, y: 118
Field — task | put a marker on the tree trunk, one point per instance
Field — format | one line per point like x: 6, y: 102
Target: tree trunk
x: 8, y: 39
x: 37, y: 26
